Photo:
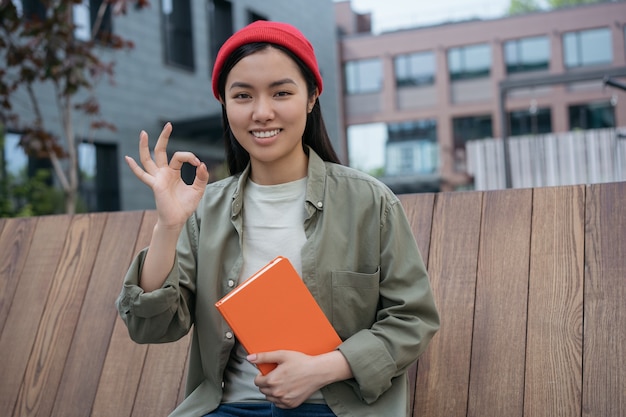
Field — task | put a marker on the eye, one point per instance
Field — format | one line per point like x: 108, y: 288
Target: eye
x: 282, y: 94
x: 241, y: 96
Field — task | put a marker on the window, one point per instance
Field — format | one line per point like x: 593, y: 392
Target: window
x: 592, y: 116
x: 415, y: 69
x: 530, y: 122
x: 364, y: 76
x: 99, y: 179
x: 587, y: 47
x: 90, y: 14
x: 254, y: 16
x: 528, y: 54
x: 14, y: 158
x: 221, y: 17
x: 470, y: 128
x: 412, y: 147
x: 469, y: 62
x: 31, y: 10
x: 177, y: 33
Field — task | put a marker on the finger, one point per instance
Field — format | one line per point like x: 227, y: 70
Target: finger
x: 181, y: 157
x: 276, y: 356
x: 202, y: 176
x: 139, y: 173
x: 144, y: 153
x: 160, y: 149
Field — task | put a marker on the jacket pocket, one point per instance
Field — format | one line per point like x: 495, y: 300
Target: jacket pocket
x: 355, y: 298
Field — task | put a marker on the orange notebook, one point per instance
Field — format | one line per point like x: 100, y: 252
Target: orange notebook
x: 274, y: 310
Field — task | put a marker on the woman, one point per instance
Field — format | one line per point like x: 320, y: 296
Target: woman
x: 344, y: 231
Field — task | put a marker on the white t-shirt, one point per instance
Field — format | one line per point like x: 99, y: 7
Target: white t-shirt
x: 273, y: 225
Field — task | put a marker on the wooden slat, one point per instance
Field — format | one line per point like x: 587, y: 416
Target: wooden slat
x: 97, y: 317
x: 419, y: 212
x: 60, y: 316
x: 125, y: 359
x: 30, y: 298
x: 15, y: 241
x: 499, y: 340
x: 162, y: 377
x: 604, y: 382
x: 555, y: 304
x: 443, y: 377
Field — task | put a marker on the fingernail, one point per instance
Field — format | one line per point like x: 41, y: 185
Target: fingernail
x: 251, y: 357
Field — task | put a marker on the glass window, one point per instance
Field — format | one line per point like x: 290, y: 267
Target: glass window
x: 469, y: 62
x: 415, y: 69
x: 528, y: 54
x: 591, y: 116
x: 587, y: 47
x: 177, y: 33
x: 364, y: 76
x: 221, y: 28
x: 99, y: 179
x: 530, y: 122
x: 15, y: 159
x: 91, y: 13
x: 412, y: 147
x: 471, y: 128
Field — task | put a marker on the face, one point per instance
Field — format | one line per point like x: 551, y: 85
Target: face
x: 267, y: 103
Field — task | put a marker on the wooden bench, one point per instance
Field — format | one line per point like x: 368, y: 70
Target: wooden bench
x: 531, y: 285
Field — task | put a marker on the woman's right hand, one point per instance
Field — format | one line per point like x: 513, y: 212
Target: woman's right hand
x: 175, y: 200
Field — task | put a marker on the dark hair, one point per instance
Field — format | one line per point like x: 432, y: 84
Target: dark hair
x: 315, y: 134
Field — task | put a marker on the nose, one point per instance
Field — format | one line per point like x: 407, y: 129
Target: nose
x: 263, y: 109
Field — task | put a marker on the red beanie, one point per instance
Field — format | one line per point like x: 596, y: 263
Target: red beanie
x: 278, y: 33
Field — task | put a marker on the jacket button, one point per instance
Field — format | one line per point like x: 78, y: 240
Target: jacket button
x: 231, y: 283
x: 229, y: 335
x: 320, y: 204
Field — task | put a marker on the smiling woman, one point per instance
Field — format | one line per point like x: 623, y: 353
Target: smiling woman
x: 345, y: 233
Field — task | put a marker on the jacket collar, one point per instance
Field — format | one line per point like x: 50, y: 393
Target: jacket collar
x: 316, y: 184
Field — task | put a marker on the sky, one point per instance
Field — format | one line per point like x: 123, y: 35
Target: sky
x: 390, y: 15
x: 396, y: 14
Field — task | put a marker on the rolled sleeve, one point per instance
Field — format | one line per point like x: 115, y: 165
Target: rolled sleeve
x: 159, y: 316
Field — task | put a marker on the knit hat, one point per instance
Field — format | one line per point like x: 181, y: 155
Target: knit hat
x: 278, y: 33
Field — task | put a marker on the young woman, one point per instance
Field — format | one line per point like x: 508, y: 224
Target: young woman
x: 344, y: 231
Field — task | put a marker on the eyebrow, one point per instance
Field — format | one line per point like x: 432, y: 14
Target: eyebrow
x: 238, y: 84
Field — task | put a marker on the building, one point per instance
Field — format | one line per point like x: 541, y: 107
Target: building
x: 166, y: 77
x: 427, y: 91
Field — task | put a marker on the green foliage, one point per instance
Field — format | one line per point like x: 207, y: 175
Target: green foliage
x: 523, y: 6
x: 22, y: 196
x: 555, y: 4
x: 527, y: 6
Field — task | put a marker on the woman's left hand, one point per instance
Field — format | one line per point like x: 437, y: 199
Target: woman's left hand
x: 297, y: 375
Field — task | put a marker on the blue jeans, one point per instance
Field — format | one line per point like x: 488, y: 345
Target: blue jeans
x: 267, y: 409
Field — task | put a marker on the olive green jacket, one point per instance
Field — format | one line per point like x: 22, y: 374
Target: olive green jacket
x: 360, y: 262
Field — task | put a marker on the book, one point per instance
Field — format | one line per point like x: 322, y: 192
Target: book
x: 274, y: 310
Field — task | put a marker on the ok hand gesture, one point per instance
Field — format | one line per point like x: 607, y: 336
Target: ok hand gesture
x: 175, y: 200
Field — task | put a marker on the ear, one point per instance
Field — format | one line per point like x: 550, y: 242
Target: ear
x: 312, y: 100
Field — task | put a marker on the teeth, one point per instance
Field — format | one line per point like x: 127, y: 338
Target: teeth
x: 266, y: 134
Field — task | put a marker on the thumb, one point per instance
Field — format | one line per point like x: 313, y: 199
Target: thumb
x: 266, y: 357
x: 202, y: 176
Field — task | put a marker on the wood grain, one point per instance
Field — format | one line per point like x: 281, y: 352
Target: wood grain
x: 499, y: 339
x: 443, y: 377
x: 555, y: 304
x: 97, y: 317
x: 125, y: 359
x: 58, y: 322
x: 604, y: 370
x: 30, y: 297
x: 419, y: 212
x: 15, y: 241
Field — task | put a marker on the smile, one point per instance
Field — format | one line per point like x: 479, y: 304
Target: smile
x: 266, y: 134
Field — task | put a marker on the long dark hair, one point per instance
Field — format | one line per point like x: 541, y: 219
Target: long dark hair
x: 315, y: 134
